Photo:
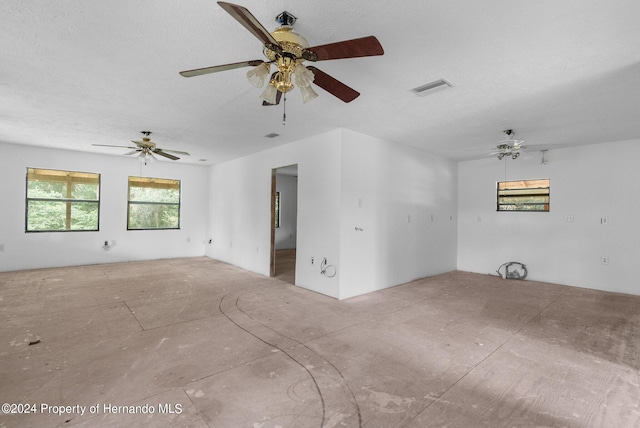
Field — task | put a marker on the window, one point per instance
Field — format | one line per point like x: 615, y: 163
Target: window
x: 59, y: 201
x: 154, y: 203
x: 277, y: 208
x: 523, y: 195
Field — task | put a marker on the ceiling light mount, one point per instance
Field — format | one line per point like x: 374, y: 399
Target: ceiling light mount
x: 285, y: 18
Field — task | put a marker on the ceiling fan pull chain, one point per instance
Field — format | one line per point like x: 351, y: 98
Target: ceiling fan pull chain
x: 284, y: 110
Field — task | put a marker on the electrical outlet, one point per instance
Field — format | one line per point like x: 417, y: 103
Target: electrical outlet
x: 313, y: 260
x: 604, y: 260
x: 113, y: 243
x: 604, y: 220
x: 569, y: 219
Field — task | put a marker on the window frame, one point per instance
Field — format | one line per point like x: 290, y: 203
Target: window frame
x: 68, y: 201
x: 527, y: 189
x: 158, y: 184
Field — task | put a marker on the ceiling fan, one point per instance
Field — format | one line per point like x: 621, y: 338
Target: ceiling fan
x: 288, y: 50
x: 146, y: 149
x: 509, y: 146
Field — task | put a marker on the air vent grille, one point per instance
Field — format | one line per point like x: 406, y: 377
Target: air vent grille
x: 429, y: 88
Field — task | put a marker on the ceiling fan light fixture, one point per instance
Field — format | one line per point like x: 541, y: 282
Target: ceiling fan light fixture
x: 308, y: 94
x: 146, y: 157
x: 269, y: 94
x: 258, y: 74
x: 303, y: 76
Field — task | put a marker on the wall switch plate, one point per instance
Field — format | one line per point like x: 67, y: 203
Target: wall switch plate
x: 1, y: 247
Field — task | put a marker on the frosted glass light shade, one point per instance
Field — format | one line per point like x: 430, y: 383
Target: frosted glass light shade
x: 307, y: 93
x: 146, y: 158
x: 303, y: 76
x: 258, y: 74
x: 269, y: 94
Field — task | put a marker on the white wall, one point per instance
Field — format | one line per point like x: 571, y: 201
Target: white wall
x: 587, y: 183
x: 47, y: 249
x: 240, y: 208
x: 335, y: 170
x: 287, y: 185
x: 405, y: 202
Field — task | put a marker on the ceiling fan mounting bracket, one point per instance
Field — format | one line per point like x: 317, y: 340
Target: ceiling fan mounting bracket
x: 285, y: 18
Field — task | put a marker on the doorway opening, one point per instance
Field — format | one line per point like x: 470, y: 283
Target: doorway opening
x: 284, y: 222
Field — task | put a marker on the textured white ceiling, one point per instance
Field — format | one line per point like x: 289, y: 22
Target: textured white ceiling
x: 74, y: 72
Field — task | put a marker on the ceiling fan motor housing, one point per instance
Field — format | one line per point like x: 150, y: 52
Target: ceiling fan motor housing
x: 292, y: 46
x: 291, y: 43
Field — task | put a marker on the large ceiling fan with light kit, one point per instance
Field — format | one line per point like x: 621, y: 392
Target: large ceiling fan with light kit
x: 146, y: 149
x: 288, y: 51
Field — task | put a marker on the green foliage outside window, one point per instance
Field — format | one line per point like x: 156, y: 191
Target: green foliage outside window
x: 154, y: 203
x: 62, y: 200
x: 277, y: 210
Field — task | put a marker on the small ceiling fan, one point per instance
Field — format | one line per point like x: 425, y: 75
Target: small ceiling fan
x: 509, y: 146
x: 147, y: 148
x: 288, y: 50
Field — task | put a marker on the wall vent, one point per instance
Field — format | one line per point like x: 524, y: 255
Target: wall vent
x: 432, y: 87
x: 272, y: 135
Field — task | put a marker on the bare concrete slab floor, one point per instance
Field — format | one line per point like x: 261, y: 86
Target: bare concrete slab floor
x: 286, y: 265
x: 198, y: 343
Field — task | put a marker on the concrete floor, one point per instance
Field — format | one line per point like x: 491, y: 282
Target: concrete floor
x: 205, y: 344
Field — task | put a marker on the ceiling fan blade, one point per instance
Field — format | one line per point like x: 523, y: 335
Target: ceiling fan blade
x: 248, y: 21
x: 133, y: 152
x: 365, y: 46
x: 166, y: 155
x: 175, y: 151
x: 111, y: 145
x: 217, y: 68
x: 334, y: 86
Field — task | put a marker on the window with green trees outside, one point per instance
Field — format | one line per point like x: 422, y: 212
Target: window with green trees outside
x: 524, y: 195
x: 154, y: 203
x: 61, y: 201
